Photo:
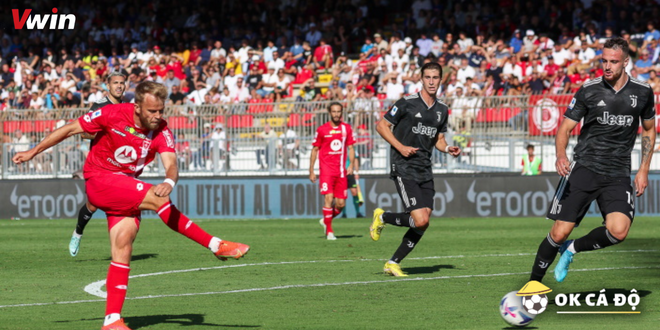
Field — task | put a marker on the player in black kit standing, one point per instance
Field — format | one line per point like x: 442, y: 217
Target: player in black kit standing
x: 611, y: 107
x: 116, y: 86
x: 413, y: 127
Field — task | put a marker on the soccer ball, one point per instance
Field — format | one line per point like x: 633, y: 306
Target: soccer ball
x: 513, y: 311
x: 535, y: 304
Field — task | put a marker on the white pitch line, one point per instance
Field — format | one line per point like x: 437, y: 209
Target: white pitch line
x: 294, y: 286
x: 94, y: 288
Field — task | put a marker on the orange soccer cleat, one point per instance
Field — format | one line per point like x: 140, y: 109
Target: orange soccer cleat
x: 231, y: 250
x: 117, y: 325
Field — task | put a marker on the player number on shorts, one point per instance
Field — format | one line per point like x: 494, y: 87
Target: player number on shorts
x: 324, y: 186
x: 413, y: 201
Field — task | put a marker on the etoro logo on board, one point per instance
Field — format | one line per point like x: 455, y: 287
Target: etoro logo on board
x: 38, y: 21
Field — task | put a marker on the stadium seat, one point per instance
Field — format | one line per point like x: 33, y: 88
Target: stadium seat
x: 11, y: 126
x: 181, y: 122
x: 324, y: 78
x: 294, y: 120
x: 254, y: 106
x: 41, y: 125
x: 240, y: 121
x: 268, y: 104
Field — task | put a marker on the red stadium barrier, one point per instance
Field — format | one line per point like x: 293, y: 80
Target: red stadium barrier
x: 240, y: 121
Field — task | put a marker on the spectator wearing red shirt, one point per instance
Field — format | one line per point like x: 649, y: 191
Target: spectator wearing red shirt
x: 195, y: 52
x: 323, y: 55
x: 550, y: 69
x: 578, y: 79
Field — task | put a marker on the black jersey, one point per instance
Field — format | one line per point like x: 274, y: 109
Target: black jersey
x: 611, y: 121
x: 416, y: 125
x: 100, y: 103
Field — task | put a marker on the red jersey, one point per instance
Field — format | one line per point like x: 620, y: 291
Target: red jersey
x: 332, y: 142
x: 121, y: 146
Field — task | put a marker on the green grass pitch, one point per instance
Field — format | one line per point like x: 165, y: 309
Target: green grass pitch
x: 294, y: 279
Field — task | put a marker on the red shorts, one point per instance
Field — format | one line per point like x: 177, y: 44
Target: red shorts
x: 118, y: 195
x: 333, y: 185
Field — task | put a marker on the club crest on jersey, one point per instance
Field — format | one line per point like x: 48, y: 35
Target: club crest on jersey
x: 394, y: 110
x: 439, y: 116
x: 633, y: 100
x: 134, y: 132
x: 125, y: 155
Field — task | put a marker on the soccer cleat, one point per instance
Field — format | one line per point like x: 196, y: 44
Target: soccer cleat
x: 322, y: 225
x: 377, y: 225
x: 74, y: 245
x: 231, y: 250
x: 116, y: 325
x: 331, y: 237
x: 394, y: 270
x: 561, y: 270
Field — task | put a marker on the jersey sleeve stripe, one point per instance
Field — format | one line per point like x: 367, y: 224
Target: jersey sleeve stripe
x: 577, y: 121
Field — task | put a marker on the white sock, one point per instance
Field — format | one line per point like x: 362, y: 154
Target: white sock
x: 76, y: 234
x: 392, y: 262
x: 214, y: 245
x: 571, y: 247
x: 111, y: 318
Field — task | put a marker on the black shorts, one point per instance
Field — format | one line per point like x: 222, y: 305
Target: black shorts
x: 415, y: 195
x: 582, y: 186
x: 351, y: 181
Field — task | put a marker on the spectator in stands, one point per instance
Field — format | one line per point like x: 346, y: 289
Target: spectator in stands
x: 368, y: 48
x: 281, y: 86
x: 183, y: 152
x: 19, y: 143
x: 644, y: 65
x: 381, y: 44
x: 323, y: 56
x: 561, y: 84
x: 268, y: 137
x: 364, y: 145
x: 654, y: 81
x: 288, y: 146
x: 176, y: 97
x: 313, y: 36
x: 309, y: 92
x: 464, y: 71
x: 516, y: 42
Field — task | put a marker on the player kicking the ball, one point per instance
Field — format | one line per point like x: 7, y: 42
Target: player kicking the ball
x: 331, y: 141
x: 128, y: 136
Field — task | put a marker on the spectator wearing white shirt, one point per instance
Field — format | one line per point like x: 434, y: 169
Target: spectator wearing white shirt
x: 464, y: 71
x: 560, y: 54
x: 424, y: 44
x: 196, y: 97
x: 436, y: 45
x: 464, y: 42
x: 393, y: 88
x: 268, y: 51
x: 218, y: 51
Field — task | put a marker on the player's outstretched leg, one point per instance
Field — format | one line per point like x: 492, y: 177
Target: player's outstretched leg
x: 178, y: 222
x: 545, y: 256
x: 84, y: 215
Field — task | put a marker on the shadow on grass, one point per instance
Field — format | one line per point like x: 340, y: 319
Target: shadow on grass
x: 518, y: 328
x: 426, y: 269
x: 138, y: 322
x: 139, y: 257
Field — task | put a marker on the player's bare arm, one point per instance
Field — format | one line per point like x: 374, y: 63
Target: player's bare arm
x: 442, y: 145
x: 648, y: 142
x: 171, y: 175
x: 351, y: 158
x: 562, y: 164
x: 52, y: 139
x: 312, y: 161
x: 384, y: 128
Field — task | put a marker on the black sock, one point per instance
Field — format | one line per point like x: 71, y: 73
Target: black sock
x: 399, y: 219
x: 410, y: 239
x: 544, y: 257
x: 596, y: 239
x: 84, y: 215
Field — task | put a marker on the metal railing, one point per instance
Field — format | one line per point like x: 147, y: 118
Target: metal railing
x: 493, y: 132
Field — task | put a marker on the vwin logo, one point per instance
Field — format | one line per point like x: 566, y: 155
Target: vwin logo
x: 39, y: 21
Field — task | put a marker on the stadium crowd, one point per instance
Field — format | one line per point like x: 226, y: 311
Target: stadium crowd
x: 262, y: 50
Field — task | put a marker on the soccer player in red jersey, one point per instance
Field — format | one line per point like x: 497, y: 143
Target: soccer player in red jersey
x: 128, y: 136
x: 331, y: 141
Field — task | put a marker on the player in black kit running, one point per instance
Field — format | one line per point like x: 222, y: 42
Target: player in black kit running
x: 116, y: 81
x: 611, y: 107
x: 413, y: 127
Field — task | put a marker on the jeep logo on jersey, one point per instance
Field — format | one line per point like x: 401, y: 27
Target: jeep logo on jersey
x: 335, y: 145
x: 424, y: 130
x: 125, y: 155
x: 619, y: 120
